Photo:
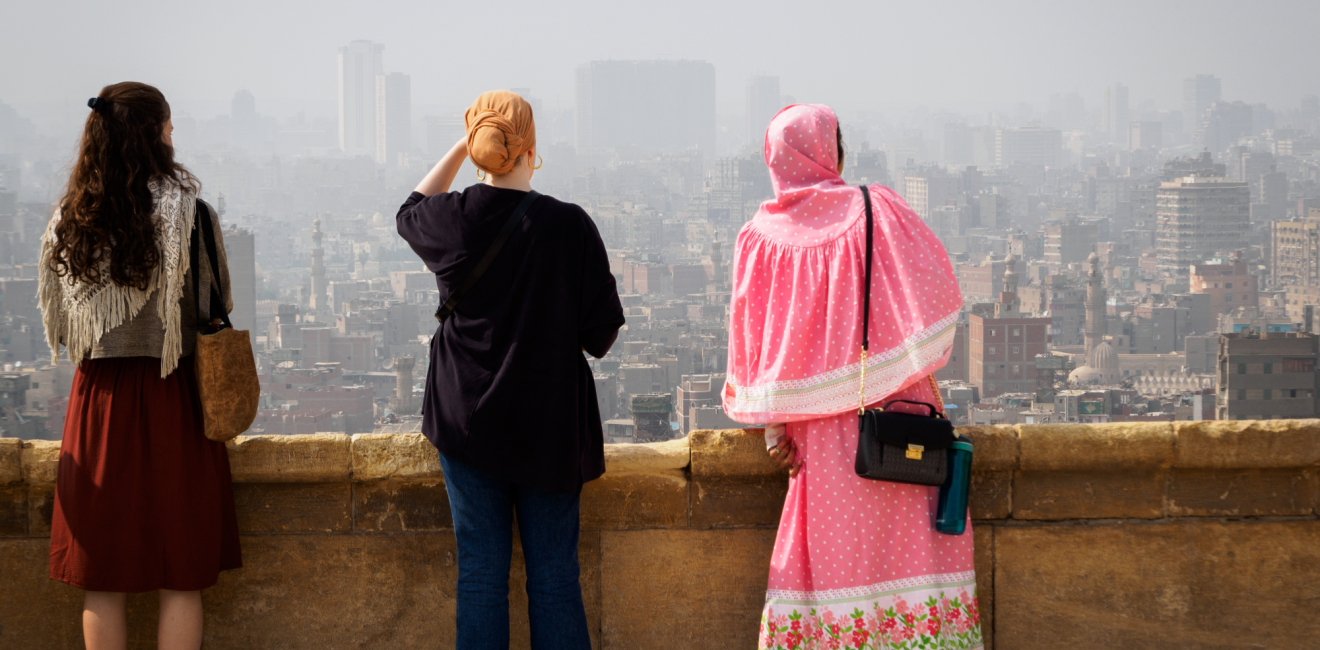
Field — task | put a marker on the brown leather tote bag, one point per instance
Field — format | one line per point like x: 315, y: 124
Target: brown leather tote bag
x: 225, y: 367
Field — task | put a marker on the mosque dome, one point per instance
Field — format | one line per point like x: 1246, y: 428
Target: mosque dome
x: 1103, y: 357
x: 378, y: 219
x: 1101, y: 367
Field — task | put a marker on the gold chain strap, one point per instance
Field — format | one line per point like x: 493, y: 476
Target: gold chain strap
x: 935, y: 386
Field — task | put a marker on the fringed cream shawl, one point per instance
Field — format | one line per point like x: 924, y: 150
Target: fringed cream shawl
x: 77, y: 315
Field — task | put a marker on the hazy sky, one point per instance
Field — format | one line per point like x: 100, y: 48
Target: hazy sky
x: 967, y: 55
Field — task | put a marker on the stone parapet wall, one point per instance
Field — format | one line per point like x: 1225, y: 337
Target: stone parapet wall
x: 1144, y: 535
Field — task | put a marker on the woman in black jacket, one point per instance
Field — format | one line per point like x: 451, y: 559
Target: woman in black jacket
x: 510, y: 401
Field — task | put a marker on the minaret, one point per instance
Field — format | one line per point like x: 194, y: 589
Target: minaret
x: 1009, y: 306
x: 1096, y: 298
x: 318, y: 300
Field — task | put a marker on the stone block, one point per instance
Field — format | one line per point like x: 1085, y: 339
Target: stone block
x: 1121, y: 446
x: 991, y: 495
x: 41, y: 508
x: 1088, y: 495
x: 1190, y: 584
x: 985, y: 581
x: 11, y: 460
x: 272, y: 508
x: 313, y: 458
x: 648, y: 457
x: 41, y: 461
x: 13, y: 511
x: 996, y: 448
x: 387, y: 455
x: 313, y: 592
x: 1248, y: 444
x: 397, y: 506
x: 725, y: 501
x: 732, y: 452
x: 623, y: 500
x: 1242, y: 492
x: 35, y: 611
x: 687, y: 589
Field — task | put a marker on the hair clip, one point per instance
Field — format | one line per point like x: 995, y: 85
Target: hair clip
x: 97, y: 104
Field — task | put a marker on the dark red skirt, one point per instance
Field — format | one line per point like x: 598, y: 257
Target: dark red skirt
x: 143, y: 500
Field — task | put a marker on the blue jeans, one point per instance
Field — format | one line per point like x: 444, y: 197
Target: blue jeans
x: 483, y: 508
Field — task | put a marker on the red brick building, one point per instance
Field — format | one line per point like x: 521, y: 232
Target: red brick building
x: 1002, y: 349
x: 1229, y: 285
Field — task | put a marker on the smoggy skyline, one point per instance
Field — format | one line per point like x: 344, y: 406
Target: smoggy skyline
x: 966, y: 56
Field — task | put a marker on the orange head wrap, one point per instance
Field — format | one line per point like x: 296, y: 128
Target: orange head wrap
x: 499, y: 130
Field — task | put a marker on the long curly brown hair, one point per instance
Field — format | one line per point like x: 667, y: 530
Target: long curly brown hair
x: 107, y: 207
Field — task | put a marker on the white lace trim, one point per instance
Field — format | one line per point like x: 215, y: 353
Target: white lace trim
x: 837, y: 390
x: 77, y: 315
x: 867, y: 592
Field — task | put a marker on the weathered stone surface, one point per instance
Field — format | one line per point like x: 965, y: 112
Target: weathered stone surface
x: 1248, y: 443
x: 996, y: 448
x: 1197, y: 584
x: 1122, y: 446
x: 35, y: 611
x: 657, y: 498
x: 648, y: 457
x: 719, y: 502
x: 317, y: 592
x: 1241, y: 492
x: 732, y: 452
x: 991, y: 495
x: 41, y: 507
x: 13, y: 511
x: 985, y: 581
x: 11, y: 460
x: 398, y: 506
x: 271, y: 508
x: 1088, y: 495
x: 41, y: 461
x: 320, y: 457
x: 687, y: 589
x: 390, y: 455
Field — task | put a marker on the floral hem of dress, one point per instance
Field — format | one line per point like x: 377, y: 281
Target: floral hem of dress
x: 941, y: 615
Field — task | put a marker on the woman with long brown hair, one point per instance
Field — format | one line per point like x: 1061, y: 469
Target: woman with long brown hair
x: 143, y: 500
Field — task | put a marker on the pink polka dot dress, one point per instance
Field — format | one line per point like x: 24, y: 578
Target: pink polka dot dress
x: 857, y: 563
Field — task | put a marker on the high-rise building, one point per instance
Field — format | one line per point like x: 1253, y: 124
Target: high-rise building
x: 1199, y: 93
x: 240, y: 250
x: 1222, y: 124
x: 1030, y: 145
x: 1114, y: 115
x: 762, y: 104
x: 1145, y: 135
x: 929, y: 189
x: 1198, y: 217
x: 1070, y: 240
x: 359, y: 63
x: 1267, y: 376
x: 393, y: 117
x: 1229, y: 285
x: 656, y: 106
x: 1295, y: 262
x: 442, y: 133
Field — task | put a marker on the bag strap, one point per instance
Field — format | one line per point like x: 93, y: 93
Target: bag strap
x: 866, y: 315
x: 496, y: 246
x: 202, y: 229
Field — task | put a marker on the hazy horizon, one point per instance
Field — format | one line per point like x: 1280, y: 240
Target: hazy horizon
x: 968, y: 58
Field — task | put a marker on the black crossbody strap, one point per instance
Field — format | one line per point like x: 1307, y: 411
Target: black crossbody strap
x: 202, y: 226
x: 495, y: 247
x: 866, y: 277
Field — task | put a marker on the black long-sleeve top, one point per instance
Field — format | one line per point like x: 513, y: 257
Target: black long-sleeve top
x: 508, y: 391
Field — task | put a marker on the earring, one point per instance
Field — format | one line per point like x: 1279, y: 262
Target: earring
x: 481, y: 175
x: 539, y: 163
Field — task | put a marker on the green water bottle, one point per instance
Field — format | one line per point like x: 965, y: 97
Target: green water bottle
x: 951, y: 513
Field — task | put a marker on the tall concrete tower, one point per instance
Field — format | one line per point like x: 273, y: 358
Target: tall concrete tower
x: 1096, y: 297
x: 319, y: 299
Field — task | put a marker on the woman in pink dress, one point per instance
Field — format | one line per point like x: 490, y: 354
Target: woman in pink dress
x: 857, y: 563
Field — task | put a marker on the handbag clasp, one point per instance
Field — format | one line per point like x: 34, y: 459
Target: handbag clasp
x: 914, y: 451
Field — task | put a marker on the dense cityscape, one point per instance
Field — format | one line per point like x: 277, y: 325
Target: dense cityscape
x: 1118, y: 262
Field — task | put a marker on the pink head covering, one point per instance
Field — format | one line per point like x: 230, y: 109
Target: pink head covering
x: 795, y: 321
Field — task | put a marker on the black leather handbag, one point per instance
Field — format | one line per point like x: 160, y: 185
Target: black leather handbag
x: 893, y: 446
